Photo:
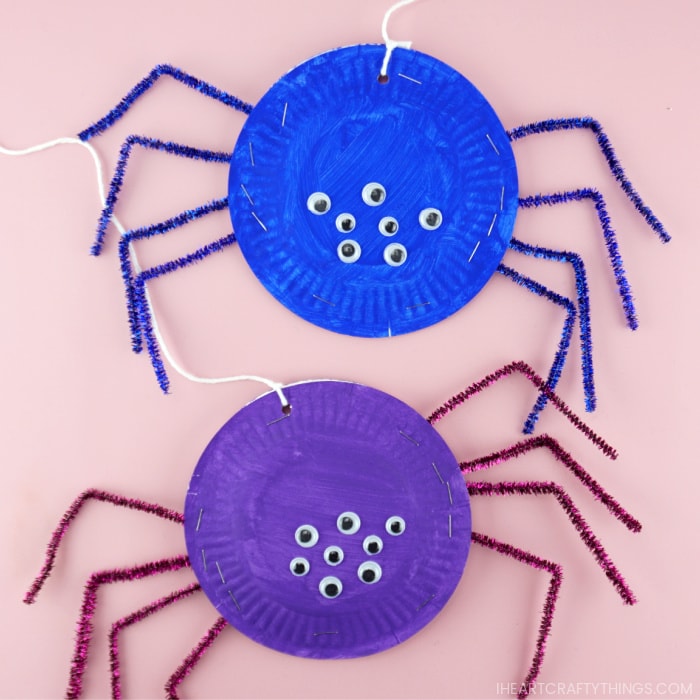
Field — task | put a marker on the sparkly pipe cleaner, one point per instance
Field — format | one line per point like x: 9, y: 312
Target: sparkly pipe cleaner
x: 524, y: 369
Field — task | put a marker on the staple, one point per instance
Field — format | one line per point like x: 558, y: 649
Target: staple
x: 277, y: 420
x: 478, y: 243
x: 325, y: 301
x: 257, y: 218
x: 321, y: 634
x: 235, y: 602
x: 409, y: 438
x: 424, y: 603
x: 449, y: 493
x: 493, y: 223
x: 503, y: 194
x: 284, y: 114
x: 199, y: 519
x: 417, y: 306
x: 250, y: 148
x: 247, y: 194
x: 439, y: 476
x: 449, y: 525
x: 493, y: 145
x: 204, y: 559
x: 221, y: 573
x: 408, y: 77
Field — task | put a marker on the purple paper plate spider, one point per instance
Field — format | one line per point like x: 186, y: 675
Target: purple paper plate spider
x: 371, y: 207
x: 335, y: 528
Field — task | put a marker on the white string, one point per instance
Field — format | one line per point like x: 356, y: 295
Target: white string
x: 391, y: 44
x: 275, y: 386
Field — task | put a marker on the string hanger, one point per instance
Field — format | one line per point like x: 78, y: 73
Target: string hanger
x: 99, y: 169
x: 391, y: 44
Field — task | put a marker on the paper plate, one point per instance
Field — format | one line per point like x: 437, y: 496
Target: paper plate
x: 337, y: 531
x: 370, y: 208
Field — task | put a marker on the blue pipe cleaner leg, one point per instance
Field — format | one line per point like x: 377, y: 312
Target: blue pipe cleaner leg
x: 564, y: 342
x: 140, y: 88
x: 141, y: 302
x: 623, y: 286
x: 584, y: 308
x: 549, y: 125
x: 125, y: 152
x: 163, y: 227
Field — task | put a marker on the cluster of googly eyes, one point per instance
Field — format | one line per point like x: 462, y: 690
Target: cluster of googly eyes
x: 348, y: 523
x: 373, y: 195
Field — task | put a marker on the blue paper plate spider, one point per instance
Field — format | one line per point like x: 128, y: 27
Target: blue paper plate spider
x: 372, y: 197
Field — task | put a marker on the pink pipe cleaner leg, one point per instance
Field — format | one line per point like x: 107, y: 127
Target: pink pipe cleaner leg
x: 69, y: 516
x: 590, y: 540
x: 547, y: 613
x: 132, y: 619
x: 524, y: 369
x: 89, y: 607
x: 185, y: 668
x: 562, y: 456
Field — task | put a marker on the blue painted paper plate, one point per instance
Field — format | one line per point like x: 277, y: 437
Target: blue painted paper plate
x: 337, y: 531
x: 371, y: 208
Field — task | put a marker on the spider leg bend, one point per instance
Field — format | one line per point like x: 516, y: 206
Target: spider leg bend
x: 564, y: 342
x: 523, y: 368
x: 564, y: 458
x: 127, y: 260
x: 70, y: 515
x: 484, y: 488
x: 117, y: 181
x: 556, y: 573
x: 193, y: 658
x: 100, y: 578
x: 569, y: 124
x: 115, y: 114
x: 547, y: 488
x: 89, y: 606
x: 145, y: 318
x: 616, y: 263
x: 126, y: 150
x: 132, y: 619
x: 611, y: 244
x: 97, y: 579
x: 584, y: 307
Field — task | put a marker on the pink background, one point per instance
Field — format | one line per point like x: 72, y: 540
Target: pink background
x: 79, y: 410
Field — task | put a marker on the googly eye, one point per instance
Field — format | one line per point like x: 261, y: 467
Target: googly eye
x: 299, y: 566
x: 388, y: 226
x: 373, y: 545
x: 318, y: 203
x: 369, y: 572
x: 333, y: 555
x: 430, y: 219
x: 349, y: 251
x: 348, y: 523
x: 395, y: 525
x: 373, y: 194
x: 395, y: 254
x: 330, y: 587
x: 306, y: 536
x: 345, y: 223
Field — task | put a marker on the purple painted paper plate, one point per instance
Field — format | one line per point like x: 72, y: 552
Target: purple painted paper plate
x: 337, y: 531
